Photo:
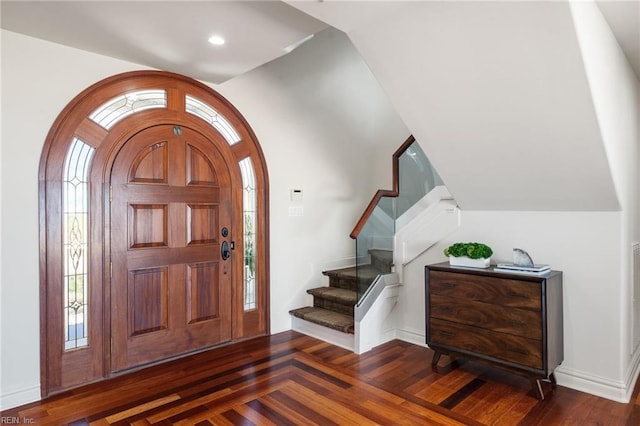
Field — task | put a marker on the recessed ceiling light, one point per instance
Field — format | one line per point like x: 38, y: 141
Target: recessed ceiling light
x: 216, y: 40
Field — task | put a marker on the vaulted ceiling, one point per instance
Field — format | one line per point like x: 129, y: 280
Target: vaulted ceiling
x: 496, y: 92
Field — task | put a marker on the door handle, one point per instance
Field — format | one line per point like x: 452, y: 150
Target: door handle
x: 224, y: 250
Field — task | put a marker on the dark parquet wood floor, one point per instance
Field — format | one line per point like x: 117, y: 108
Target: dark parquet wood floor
x: 292, y: 379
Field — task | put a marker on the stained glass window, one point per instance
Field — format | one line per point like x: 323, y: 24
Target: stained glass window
x: 211, y: 116
x: 122, y: 106
x: 249, y: 214
x: 75, y: 213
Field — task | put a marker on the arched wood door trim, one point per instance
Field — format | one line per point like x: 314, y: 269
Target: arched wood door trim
x: 62, y: 369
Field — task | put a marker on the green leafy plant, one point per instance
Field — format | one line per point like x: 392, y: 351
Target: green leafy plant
x: 471, y: 250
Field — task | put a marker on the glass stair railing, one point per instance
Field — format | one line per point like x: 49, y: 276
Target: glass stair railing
x: 413, y: 178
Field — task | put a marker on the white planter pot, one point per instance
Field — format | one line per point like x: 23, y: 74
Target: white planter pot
x: 468, y: 262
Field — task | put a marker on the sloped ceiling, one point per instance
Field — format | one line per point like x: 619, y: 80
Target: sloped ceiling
x: 623, y: 16
x: 495, y: 92
x: 168, y: 35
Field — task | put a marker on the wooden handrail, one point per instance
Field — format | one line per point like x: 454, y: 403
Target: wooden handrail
x: 383, y: 192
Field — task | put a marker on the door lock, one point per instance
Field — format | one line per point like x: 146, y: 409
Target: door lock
x: 224, y: 250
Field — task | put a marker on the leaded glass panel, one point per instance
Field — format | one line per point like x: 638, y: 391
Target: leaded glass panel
x: 211, y: 116
x: 122, y: 106
x: 75, y: 243
x: 249, y: 208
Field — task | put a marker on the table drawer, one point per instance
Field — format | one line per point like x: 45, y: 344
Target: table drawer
x: 516, y: 321
x: 497, y: 291
x: 477, y: 341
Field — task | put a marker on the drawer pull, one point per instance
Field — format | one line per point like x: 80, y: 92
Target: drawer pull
x: 446, y: 333
x: 447, y: 285
x: 514, y: 294
x: 517, y: 350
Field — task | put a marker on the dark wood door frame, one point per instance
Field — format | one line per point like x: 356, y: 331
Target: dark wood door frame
x: 60, y: 369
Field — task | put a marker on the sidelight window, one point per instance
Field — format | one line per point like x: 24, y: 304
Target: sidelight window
x: 249, y: 214
x: 75, y: 243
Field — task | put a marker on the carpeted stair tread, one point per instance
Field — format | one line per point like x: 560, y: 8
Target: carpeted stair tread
x: 334, y: 294
x: 366, y: 271
x: 326, y: 318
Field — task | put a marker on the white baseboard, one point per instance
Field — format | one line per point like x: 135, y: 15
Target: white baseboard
x: 335, y: 337
x: 615, y: 390
x: 412, y: 336
x: 632, y: 373
x: 20, y: 397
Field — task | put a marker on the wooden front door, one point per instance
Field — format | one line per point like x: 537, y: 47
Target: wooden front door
x: 171, y: 215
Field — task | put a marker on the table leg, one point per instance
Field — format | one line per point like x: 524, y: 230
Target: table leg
x: 537, y: 387
x: 436, y: 357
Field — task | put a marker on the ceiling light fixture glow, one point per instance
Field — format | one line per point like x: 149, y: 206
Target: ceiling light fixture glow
x: 216, y: 40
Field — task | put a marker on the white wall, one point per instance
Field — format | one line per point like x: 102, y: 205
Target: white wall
x: 327, y: 128
x: 315, y: 113
x: 38, y: 80
x: 616, y: 96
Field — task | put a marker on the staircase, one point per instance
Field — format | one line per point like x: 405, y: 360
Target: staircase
x: 333, y: 306
x: 355, y: 310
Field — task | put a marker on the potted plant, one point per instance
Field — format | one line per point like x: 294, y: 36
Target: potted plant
x: 475, y: 255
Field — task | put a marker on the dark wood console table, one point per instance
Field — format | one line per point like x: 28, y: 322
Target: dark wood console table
x: 511, y: 320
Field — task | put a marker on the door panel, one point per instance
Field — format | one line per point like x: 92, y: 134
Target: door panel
x: 202, y: 297
x: 148, y: 294
x: 170, y: 289
x: 203, y: 225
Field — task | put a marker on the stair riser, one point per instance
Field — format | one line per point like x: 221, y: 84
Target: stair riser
x: 348, y: 283
x: 382, y: 260
x: 332, y: 306
x: 381, y: 265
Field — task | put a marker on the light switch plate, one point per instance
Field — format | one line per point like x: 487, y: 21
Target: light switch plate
x: 296, y: 195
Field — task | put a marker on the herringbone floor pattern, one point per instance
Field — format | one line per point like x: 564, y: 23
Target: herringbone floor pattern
x: 292, y: 379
